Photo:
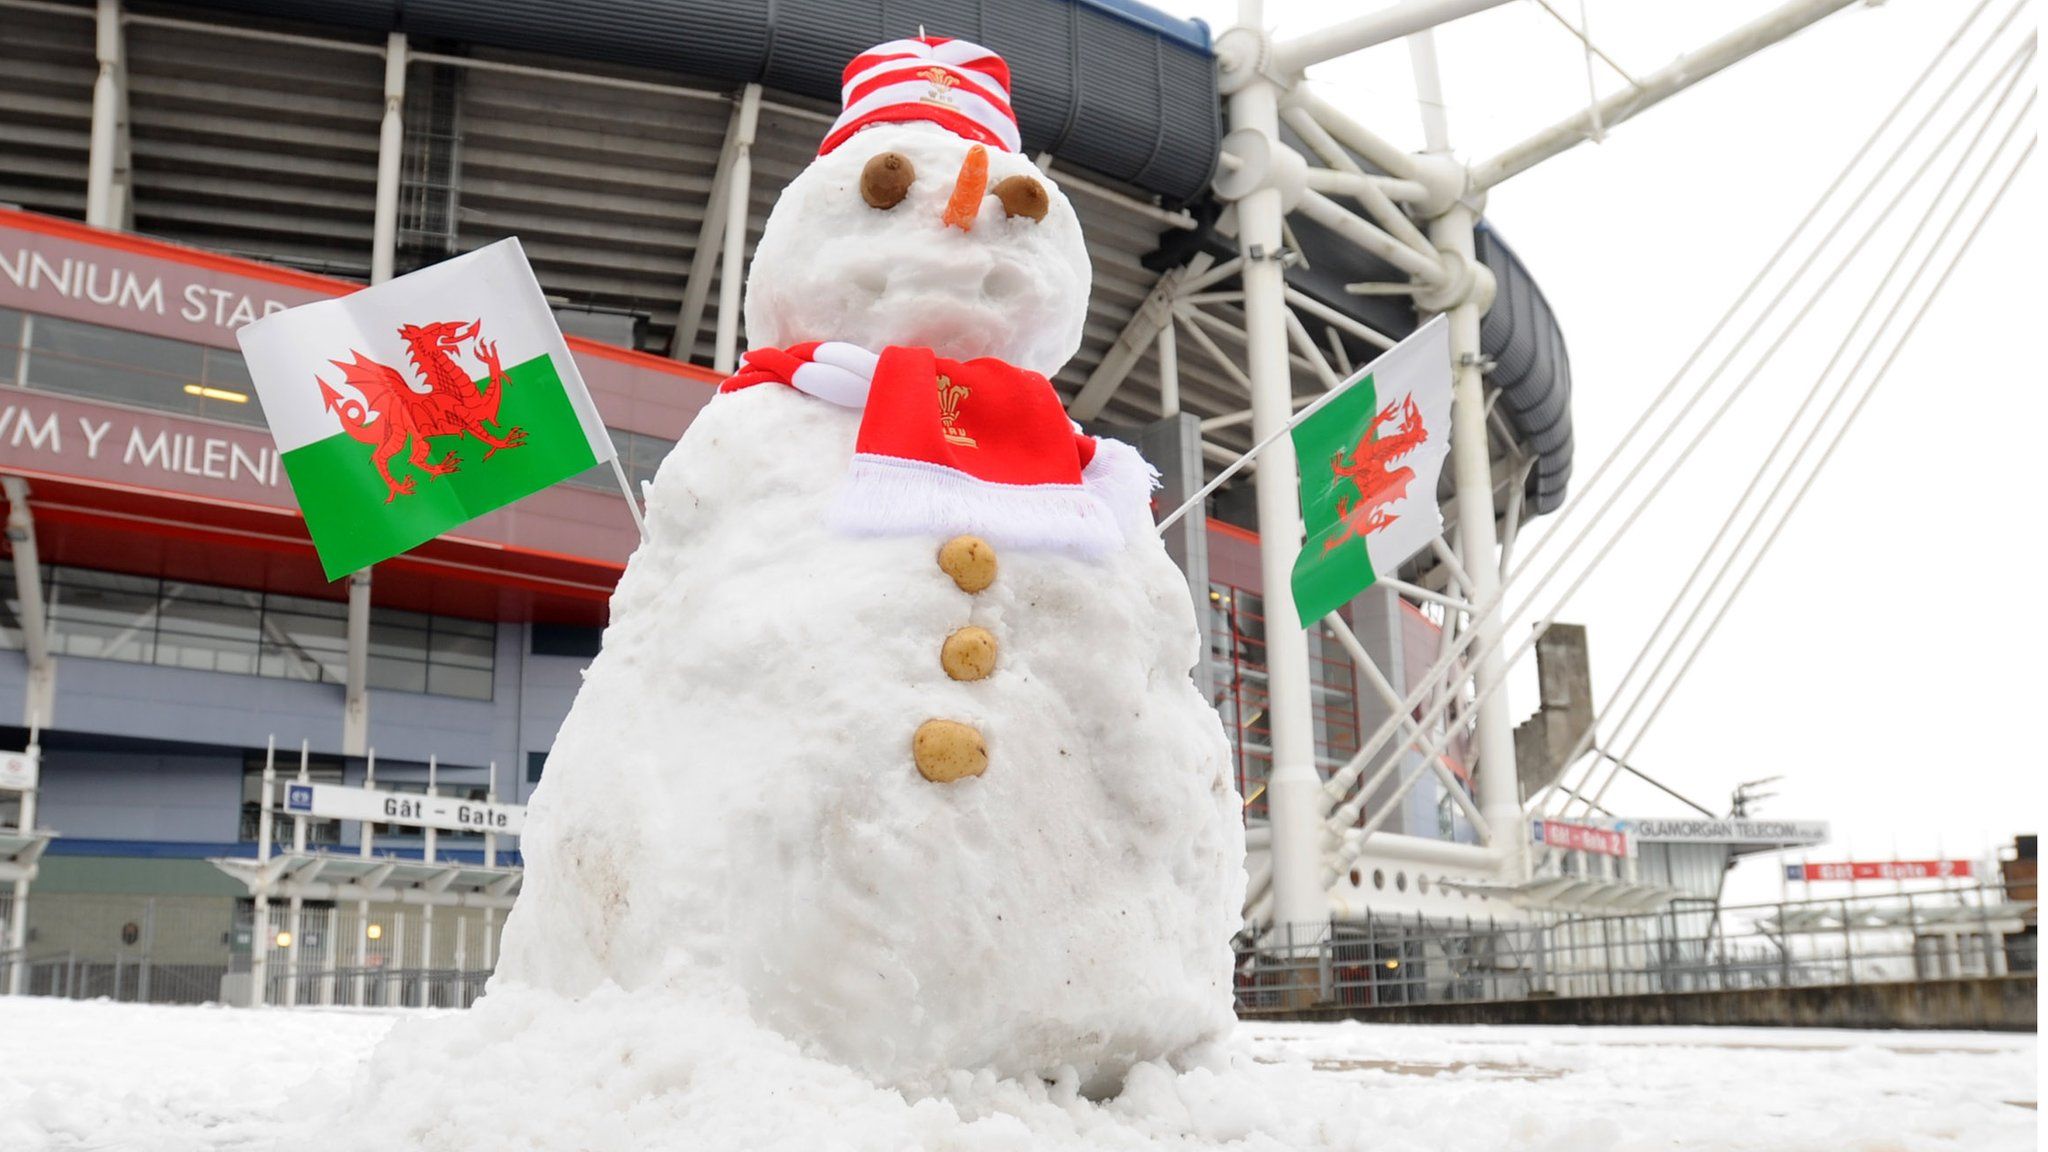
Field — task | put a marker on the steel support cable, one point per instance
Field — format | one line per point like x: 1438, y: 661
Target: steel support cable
x: 1869, y: 389
x: 2010, y: 72
x: 1336, y: 626
x: 1591, y: 48
x: 1940, y: 101
x: 1912, y: 135
x: 1340, y: 784
x: 1350, y: 850
x: 1770, y: 265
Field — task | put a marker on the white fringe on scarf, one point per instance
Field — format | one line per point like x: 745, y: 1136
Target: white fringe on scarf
x: 1124, y: 480
x: 889, y: 495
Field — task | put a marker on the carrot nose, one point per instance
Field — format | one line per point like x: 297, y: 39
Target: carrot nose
x: 968, y: 189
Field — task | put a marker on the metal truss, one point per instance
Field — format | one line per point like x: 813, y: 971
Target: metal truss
x: 1415, y: 213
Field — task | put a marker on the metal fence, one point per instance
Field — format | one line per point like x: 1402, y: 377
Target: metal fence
x: 199, y: 949
x: 1683, y: 948
x: 374, y: 955
x: 131, y: 977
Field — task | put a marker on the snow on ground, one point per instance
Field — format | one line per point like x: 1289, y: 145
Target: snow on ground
x: 104, y: 1076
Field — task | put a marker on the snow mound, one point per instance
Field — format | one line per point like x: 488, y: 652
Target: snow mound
x: 618, y: 1071
x: 609, y: 1076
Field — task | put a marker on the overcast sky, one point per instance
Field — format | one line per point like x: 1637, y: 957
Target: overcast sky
x: 1885, y: 658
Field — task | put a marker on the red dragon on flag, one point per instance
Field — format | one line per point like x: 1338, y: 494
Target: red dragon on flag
x: 356, y: 441
x: 1372, y: 471
x: 387, y: 411
x: 1373, y: 505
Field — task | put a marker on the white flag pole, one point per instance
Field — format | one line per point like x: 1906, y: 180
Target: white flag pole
x: 632, y: 501
x: 1320, y: 401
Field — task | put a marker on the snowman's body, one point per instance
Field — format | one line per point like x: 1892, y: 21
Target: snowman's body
x: 732, y: 801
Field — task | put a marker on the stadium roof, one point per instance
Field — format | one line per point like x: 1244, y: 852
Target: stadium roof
x: 1118, y: 88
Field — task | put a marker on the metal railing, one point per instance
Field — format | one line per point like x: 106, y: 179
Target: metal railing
x: 371, y: 986
x: 1389, y: 960
x: 198, y: 949
x: 123, y: 977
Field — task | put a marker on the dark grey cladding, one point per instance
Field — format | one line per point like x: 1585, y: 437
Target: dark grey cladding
x: 1531, y: 369
x: 1113, y: 87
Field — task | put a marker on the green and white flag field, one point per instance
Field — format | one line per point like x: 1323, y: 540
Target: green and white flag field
x: 404, y: 410
x: 1369, y: 461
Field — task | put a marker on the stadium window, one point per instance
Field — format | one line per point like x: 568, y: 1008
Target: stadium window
x: 227, y: 371
x: 565, y: 640
x: 10, y: 606
x: 535, y: 762
x: 145, y: 620
x: 103, y: 615
x: 438, y: 655
x: 640, y: 456
x: 304, y: 640
x: 461, y: 655
x: 10, y: 345
x: 140, y: 371
x: 398, y: 651
x: 210, y: 629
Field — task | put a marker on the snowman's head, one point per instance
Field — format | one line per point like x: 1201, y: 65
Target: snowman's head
x: 1004, y: 273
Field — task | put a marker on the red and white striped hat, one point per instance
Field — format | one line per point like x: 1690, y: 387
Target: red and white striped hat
x: 962, y: 87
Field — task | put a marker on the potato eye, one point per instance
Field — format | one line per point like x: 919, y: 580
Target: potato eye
x: 886, y: 180
x: 1022, y: 196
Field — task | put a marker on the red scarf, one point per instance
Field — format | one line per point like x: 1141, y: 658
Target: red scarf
x: 948, y: 447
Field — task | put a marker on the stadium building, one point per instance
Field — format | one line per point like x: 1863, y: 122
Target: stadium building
x: 171, y: 171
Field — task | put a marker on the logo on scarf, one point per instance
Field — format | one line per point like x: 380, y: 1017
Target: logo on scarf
x: 950, y: 396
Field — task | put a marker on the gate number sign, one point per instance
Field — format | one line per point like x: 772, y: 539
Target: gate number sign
x: 1880, y: 870
x: 447, y: 813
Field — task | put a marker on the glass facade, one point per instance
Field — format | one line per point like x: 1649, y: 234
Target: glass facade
x: 1237, y: 656
x: 178, y: 624
x: 10, y: 624
x: 47, y: 354
x: 640, y: 455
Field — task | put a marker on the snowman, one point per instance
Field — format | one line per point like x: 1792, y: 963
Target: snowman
x: 892, y: 738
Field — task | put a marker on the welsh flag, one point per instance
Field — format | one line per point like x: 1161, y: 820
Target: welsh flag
x: 1369, y: 460
x: 404, y: 410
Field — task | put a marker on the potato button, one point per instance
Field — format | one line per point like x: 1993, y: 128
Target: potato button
x: 970, y: 561
x: 947, y: 750
x: 969, y: 654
